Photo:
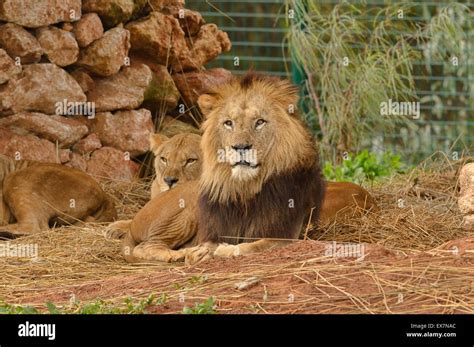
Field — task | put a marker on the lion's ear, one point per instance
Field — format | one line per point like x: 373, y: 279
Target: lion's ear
x: 156, y: 140
x: 206, y: 103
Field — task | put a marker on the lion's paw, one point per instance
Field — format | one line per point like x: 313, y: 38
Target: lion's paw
x: 197, y: 254
x: 227, y: 251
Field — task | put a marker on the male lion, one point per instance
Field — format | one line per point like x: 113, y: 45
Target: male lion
x: 261, y: 179
x: 261, y: 176
x: 37, y: 195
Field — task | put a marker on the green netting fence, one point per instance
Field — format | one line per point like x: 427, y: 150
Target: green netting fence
x: 258, y: 28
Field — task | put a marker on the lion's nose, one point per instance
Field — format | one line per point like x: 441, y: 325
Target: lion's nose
x: 242, y: 147
x: 170, y: 180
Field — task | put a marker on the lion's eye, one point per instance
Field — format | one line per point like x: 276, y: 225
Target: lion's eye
x: 228, y: 124
x: 259, y: 123
x: 190, y: 161
x: 163, y: 160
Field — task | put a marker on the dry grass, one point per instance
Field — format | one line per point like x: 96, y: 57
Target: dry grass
x: 408, y: 268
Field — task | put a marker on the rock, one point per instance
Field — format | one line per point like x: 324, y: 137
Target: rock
x: 58, y: 129
x: 466, y: 195
x: 87, y: 144
x: 64, y: 155
x: 27, y: 147
x: 39, y: 88
x: 77, y: 161
x: 128, y: 131
x: 88, y: 29
x: 106, y: 55
x: 59, y: 45
x: 157, y: 5
x: 190, y: 21
x: 109, y: 163
x: 161, y: 95
x: 8, y: 68
x: 38, y: 13
x: 125, y: 90
x: 113, y: 12
x: 193, y: 84
x: 19, y: 43
x: 205, y: 46
x: 83, y: 79
x: 67, y: 27
x: 152, y: 34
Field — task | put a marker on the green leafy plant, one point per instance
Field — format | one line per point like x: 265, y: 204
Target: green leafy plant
x: 129, y: 306
x: 206, y: 307
x: 16, y: 309
x: 363, y: 167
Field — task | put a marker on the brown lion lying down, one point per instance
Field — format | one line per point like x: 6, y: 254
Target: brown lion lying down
x: 36, y: 195
x: 260, y: 184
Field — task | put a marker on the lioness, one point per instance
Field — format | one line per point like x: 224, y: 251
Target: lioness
x: 177, y: 160
x: 36, y: 195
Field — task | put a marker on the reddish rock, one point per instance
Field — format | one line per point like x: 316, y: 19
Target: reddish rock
x: 205, y: 46
x: 113, y: 12
x: 27, y: 147
x: 128, y: 131
x: 59, y: 45
x: 64, y: 155
x: 67, y: 27
x: 106, y: 55
x: 83, y: 79
x: 190, y: 21
x: 8, y: 68
x: 39, y: 13
x: 87, y: 144
x: 77, y: 161
x: 88, y: 29
x: 54, y: 128
x: 158, y: 5
x: 152, y: 35
x: 125, y: 90
x: 38, y: 89
x: 19, y: 43
x: 193, y: 84
x: 161, y: 95
x: 109, y: 163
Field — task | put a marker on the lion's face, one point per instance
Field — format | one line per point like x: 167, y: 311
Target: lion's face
x: 177, y: 160
x: 251, y: 133
x: 246, y: 131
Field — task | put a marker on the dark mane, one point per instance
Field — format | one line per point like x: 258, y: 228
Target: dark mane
x: 269, y: 215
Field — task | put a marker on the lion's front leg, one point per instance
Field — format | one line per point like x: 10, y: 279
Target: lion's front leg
x: 199, y: 253
x: 228, y: 251
x: 157, y: 252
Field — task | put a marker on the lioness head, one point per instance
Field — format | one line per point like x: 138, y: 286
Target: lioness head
x: 177, y: 160
x: 251, y: 132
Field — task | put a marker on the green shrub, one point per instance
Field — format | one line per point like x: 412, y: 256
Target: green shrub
x: 206, y: 307
x: 363, y: 167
